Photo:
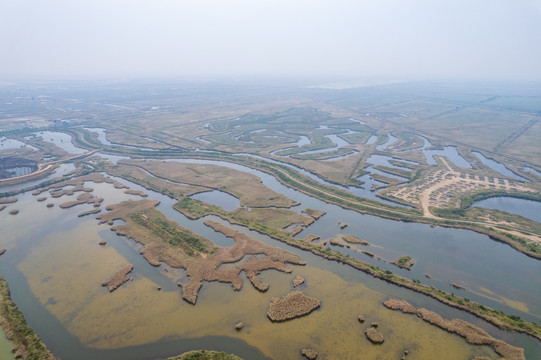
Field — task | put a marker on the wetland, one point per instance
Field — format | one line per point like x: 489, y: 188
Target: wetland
x: 158, y: 236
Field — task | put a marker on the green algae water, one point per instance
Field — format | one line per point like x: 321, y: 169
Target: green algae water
x: 5, y: 347
x: 54, y: 267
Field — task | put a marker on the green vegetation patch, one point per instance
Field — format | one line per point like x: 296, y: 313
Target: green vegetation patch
x: 166, y: 230
x: 28, y: 345
x: 405, y: 262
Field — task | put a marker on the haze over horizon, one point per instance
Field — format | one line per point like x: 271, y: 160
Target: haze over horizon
x: 498, y: 39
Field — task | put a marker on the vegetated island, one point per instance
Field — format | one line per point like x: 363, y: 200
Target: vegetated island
x: 27, y: 343
x: 310, y: 354
x: 471, y: 333
x: 8, y: 200
x: 293, y: 305
x: 119, y: 278
x: 136, y: 192
x: 316, y: 214
x: 166, y: 241
x: 374, y: 335
x: 404, y: 262
x: 205, y: 355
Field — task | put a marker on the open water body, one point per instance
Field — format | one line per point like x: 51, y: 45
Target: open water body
x: 101, y: 135
x: 523, y: 207
x: 389, y: 141
x: 335, y: 139
x: 219, y: 198
x: 448, y: 151
x: 57, y: 235
x: 371, y: 140
x: 386, y: 161
x: 529, y: 169
x: 499, y: 167
x: 7, y: 143
x: 62, y: 140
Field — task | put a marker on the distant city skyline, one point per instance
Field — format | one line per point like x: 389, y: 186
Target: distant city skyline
x: 496, y: 39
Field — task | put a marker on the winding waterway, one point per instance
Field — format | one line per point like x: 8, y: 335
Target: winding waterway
x: 63, y: 302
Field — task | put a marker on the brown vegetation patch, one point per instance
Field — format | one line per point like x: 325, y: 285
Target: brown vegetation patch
x: 298, y: 281
x: 293, y: 305
x: 309, y: 354
x: 204, y: 355
x: 42, y: 198
x: 166, y: 241
x: 85, y: 198
x: 140, y: 176
x: 316, y: 214
x: 374, y: 336
x: 89, y: 212
x: 8, y: 200
x: 353, y: 240
x: 471, y: 333
x: 311, y: 238
x: 14, y: 212
x: 246, y: 187
x: 2, y: 251
x: 119, y: 278
x: 135, y: 192
x: 78, y: 185
x: 337, y: 242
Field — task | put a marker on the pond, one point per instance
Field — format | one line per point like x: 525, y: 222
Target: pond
x: 62, y: 140
x: 523, y: 207
x: 7, y: 143
x: 219, y: 198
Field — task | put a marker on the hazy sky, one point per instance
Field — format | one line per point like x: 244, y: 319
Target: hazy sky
x: 404, y: 38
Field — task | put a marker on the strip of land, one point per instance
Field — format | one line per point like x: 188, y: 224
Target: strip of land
x: 27, y: 343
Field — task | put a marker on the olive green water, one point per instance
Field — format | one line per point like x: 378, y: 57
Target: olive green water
x: 5, y: 347
x: 62, y: 264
